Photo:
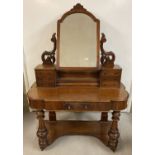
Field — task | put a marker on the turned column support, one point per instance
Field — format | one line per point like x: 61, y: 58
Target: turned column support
x: 52, y: 116
x: 114, y: 132
x: 104, y: 116
x: 42, y: 131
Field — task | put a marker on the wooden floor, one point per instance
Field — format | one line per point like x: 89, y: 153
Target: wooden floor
x: 77, y: 145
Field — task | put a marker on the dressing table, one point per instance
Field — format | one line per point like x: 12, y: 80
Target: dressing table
x: 78, y: 75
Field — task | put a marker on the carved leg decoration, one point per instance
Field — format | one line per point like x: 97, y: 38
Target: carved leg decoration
x: 52, y: 116
x: 42, y: 131
x: 104, y: 116
x: 114, y: 133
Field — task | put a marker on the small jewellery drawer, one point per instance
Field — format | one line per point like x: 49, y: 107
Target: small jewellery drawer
x: 45, y: 78
x: 77, y: 106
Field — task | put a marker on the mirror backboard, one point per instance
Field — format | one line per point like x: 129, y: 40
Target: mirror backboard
x: 78, y: 40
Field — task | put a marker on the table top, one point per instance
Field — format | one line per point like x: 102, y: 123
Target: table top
x: 78, y: 94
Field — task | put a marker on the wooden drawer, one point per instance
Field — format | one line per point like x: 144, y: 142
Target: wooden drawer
x: 110, y: 77
x: 45, y: 78
x: 110, y: 83
x: 77, y: 106
x: 111, y: 72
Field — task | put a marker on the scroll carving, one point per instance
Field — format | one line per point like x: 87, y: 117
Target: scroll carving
x: 107, y: 58
x: 48, y: 57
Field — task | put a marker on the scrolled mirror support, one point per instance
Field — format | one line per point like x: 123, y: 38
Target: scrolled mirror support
x: 107, y: 58
x: 48, y: 57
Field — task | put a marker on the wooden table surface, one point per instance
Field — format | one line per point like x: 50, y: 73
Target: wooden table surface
x: 77, y: 94
x: 77, y: 98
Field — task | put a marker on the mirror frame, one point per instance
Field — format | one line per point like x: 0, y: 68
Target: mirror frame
x: 78, y: 8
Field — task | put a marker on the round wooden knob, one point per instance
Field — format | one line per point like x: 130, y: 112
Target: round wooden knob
x: 68, y: 107
x: 85, y: 106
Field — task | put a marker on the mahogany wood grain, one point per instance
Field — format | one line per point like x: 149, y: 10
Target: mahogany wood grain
x: 48, y: 76
x: 80, y: 89
x: 42, y: 130
x: 94, y: 98
x: 48, y: 57
x: 110, y: 76
x: 107, y: 58
x: 114, y: 132
x: 45, y: 76
x: 98, y: 129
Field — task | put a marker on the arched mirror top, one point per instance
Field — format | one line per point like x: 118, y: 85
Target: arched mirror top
x: 78, y: 8
x: 78, y: 41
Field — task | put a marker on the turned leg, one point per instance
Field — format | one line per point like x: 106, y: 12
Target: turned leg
x: 42, y: 131
x: 104, y: 116
x: 52, y: 116
x: 113, y: 132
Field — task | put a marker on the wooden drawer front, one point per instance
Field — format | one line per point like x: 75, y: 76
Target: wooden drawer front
x: 110, y: 77
x: 77, y: 106
x: 45, y: 78
x: 109, y: 83
x: 111, y: 72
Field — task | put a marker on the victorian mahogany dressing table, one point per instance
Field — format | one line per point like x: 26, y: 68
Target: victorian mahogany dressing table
x: 82, y: 80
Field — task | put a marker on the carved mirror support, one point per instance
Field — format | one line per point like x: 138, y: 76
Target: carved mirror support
x: 107, y: 58
x: 48, y: 57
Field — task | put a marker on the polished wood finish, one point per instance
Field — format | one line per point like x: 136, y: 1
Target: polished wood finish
x: 77, y: 98
x: 99, y: 129
x: 78, y: 77
x: 78, y: 90
x: 45, y: 76
x: 48, y: 57
x: 42, y: 131
x: 107, y: 58
x: 113, y: 132
x: 110, y: 77
x: 48, y: 75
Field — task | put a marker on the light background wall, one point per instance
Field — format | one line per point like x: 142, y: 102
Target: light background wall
x: 40, y: 22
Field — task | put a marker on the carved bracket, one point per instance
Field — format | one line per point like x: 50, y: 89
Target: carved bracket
x: 107, y: 58
x: 48, y: 57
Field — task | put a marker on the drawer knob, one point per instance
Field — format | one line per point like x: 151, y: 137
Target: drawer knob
x: 85, y: 106
x: 68, y: 107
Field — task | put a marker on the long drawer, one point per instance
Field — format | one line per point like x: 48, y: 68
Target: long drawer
x: 84, y: 106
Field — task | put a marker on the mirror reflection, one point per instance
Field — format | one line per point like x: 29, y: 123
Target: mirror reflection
x: 78, y: 41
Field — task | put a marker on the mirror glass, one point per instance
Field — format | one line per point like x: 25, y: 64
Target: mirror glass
x: 78, y: 41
